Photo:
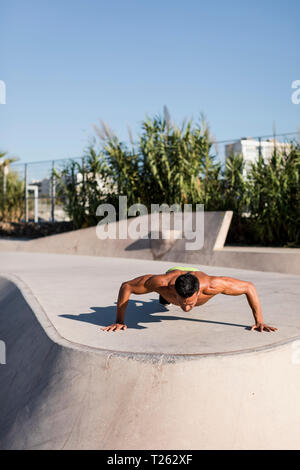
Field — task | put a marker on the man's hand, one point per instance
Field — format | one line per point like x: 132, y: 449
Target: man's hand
x: 262, y: 327
x: 231, y: 286
x: 115, y: 327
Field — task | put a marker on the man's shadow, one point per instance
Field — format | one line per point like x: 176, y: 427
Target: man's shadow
x: 138, y: 311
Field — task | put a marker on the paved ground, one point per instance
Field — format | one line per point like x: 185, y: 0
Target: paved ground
x: 79, y: 295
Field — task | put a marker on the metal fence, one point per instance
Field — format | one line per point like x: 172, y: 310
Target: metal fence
x: 36, y: 186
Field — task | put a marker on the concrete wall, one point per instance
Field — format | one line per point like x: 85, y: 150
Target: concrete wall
x: 213, y: 253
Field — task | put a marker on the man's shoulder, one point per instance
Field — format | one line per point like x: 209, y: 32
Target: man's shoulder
x: 156, y: 281
x: 208, y: 282
x: 202, y: 275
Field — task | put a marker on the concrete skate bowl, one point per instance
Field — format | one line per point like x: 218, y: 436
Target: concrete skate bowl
x: 58, y: 394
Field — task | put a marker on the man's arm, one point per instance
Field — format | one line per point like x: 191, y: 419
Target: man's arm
x: 231, y: 286
x: 139, y: 285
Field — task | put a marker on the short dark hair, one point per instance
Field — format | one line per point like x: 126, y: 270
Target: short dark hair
x: 186, y: 285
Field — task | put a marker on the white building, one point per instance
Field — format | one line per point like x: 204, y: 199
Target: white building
x: 251, y: 148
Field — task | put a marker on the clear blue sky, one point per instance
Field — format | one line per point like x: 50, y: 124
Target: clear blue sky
x: 67, y: 63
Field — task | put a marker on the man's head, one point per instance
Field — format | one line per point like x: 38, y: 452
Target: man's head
x: 187, y: 288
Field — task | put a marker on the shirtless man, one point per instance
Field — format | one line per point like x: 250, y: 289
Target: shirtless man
x: 187, y: 288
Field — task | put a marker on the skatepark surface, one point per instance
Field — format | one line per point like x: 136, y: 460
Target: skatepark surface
x: 173, y: 380
x: 79, y: 297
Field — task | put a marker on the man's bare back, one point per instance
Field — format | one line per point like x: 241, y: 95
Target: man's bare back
x: 206, y: 288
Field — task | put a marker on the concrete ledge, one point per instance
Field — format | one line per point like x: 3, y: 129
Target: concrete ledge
x: 280, y: 260
x: 213, y: 253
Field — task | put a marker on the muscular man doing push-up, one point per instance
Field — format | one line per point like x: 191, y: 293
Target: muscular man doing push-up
x: 187, y: 288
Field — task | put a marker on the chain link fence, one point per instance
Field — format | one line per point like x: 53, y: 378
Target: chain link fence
x: 37, y: 197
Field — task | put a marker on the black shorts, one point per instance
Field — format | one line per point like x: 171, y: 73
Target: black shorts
x: 163, y: 301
